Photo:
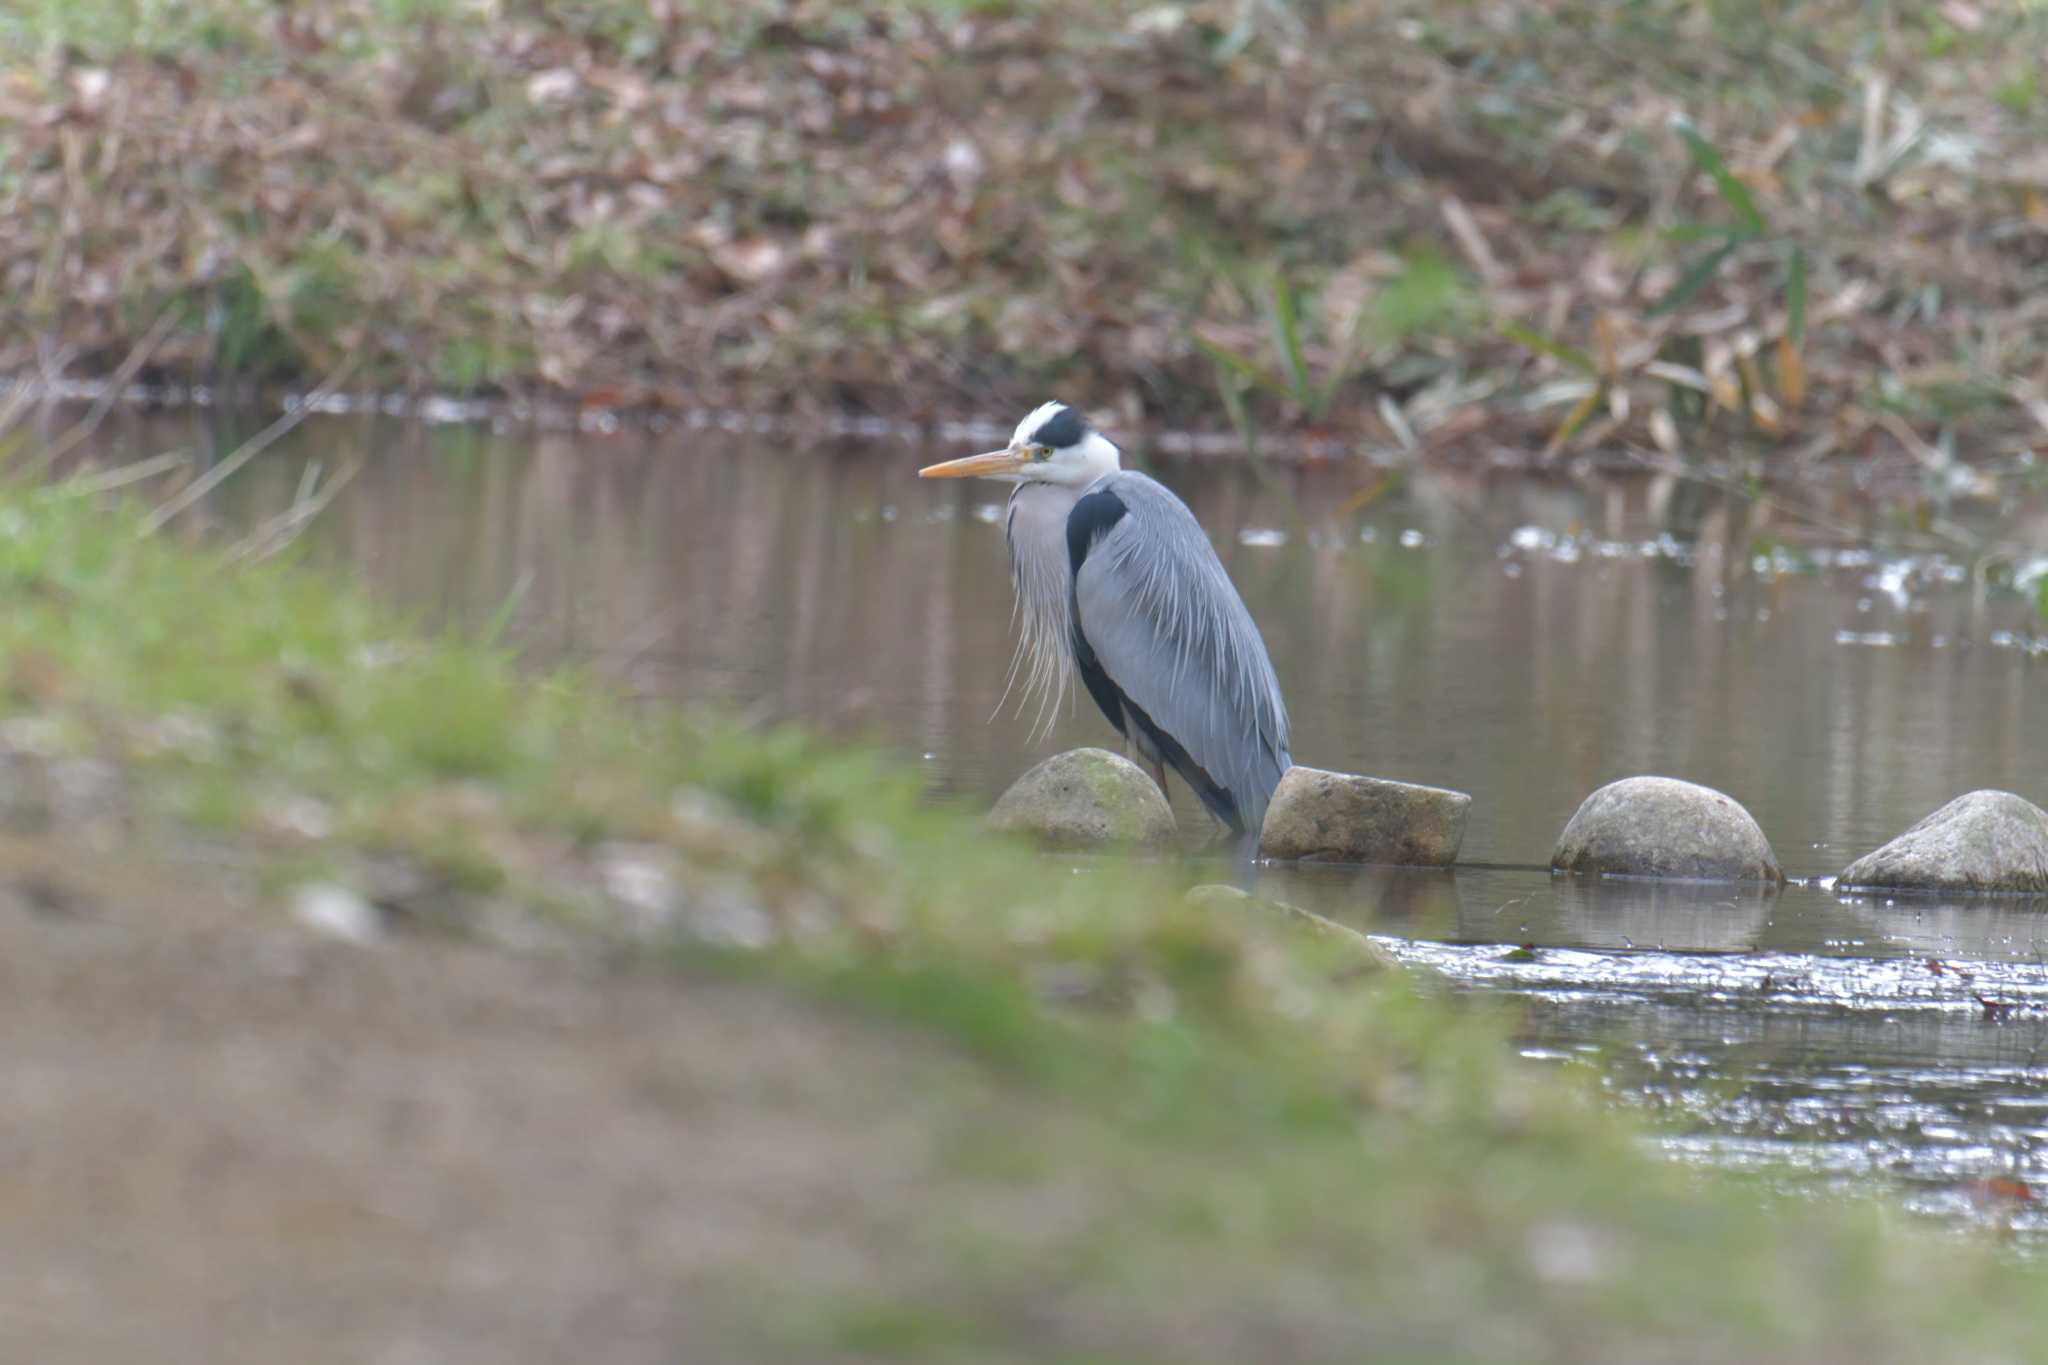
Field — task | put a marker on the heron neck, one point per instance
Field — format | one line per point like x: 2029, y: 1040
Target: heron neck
x: 1036, y: 529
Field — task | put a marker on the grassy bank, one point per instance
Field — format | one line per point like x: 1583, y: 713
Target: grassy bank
x: 1253, y: 1142
x: 1490, y: 233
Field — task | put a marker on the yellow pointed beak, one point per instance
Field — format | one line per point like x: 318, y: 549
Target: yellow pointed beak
x: 977, y: 466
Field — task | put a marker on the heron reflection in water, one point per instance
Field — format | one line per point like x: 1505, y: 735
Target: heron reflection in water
x: 1116, y: 580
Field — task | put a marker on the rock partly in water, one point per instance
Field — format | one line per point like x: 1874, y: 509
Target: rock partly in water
x: 1373, y: 956
x: 1220, y: 896
x: 1983, y: 841
x: 1662, y: 827
x: 1336, y: 817
x: 1086, y: 798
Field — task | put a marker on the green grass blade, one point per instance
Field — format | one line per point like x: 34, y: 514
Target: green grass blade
x: 1556, y: 350
x: 495, y: 625
x: 1326, y: 392
x: 1287, y: 337
x: 1795, y: 296
x: 1686, y: 233
x: 1575, y: 419
x: 1227, y: 388
x: 1732, y: 190
x: 1694, y: 279
x: 1343, y: 367
x: 1239, y: 364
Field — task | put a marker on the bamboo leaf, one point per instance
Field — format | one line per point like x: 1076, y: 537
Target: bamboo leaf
x: 1287, y: 337
x: 1319, y: 401
x: 1791, y: 374
x: 1427, y: 293
x: 500, y: 619
x: 1238, y: 364
x: 1341, y: 370
x: 1695, y: 232
x: 1795, y: 297
x: 1573, y: 420
x: 1367, y: 495
x: 1233, y: 403
x: 1732, y: 190
x: 1694, y: 279
x: 1543, y: 345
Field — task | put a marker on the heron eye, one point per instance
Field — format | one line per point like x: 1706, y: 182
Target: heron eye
x: 1041, y: 452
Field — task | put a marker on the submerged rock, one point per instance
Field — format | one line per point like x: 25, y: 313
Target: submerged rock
x: 1662, y: 827
x: 1984, y: 841
x: 1337, y: 817
x: 1221, y: 896
x: 1086, y: 798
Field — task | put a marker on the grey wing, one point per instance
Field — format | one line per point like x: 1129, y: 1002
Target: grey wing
x: 1165, y: 624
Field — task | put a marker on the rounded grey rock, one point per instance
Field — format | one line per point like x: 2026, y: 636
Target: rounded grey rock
x: 1662, y: 827
x: 1983, y: 841
x: 1338, y: 817
x: 1086, y: 798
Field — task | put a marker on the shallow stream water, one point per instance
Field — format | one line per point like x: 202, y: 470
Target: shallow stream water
x: 1837, y: 670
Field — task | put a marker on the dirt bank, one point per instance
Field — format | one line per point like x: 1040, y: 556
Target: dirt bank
x: 941, y: 208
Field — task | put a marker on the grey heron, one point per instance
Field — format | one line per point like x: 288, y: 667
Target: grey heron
x: 1115, y: 577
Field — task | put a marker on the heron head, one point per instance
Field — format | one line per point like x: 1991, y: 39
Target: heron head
x: 1054, y: 444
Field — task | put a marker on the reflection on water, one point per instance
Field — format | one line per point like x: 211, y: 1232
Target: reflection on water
x: 1522, y: 640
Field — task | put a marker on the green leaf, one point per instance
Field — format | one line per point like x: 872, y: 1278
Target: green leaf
x: 1426, y: 294
x: 1556, y: 350
x: 1795, y: 296
x: 495, y: 625
x: 2041, y: 597
x: 1695, y: 232
x: 1342, y: 368
x: 1319, y: 401
x: 1733, y: 191
x: 1575, y: 419
x: 1243, y: 366
x: 1695, y: 278
x: 1228, y: 386
x: 1287, y: 337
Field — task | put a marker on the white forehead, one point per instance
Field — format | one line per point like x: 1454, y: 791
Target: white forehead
x: 1039, y: 415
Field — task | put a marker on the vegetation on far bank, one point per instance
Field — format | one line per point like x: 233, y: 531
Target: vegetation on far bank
x: 1428, y: 227
x: 1270, y: 1118
x: 1183, y: 212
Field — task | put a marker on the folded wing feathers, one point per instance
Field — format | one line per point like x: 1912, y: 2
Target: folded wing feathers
x: 1159, y: 557
x: 1166, y: 605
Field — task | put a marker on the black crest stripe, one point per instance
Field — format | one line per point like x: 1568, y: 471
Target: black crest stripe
x: 1064, y: 428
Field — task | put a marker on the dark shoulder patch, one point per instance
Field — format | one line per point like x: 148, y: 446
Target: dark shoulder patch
x: 1064, y: 428
x: 1090, y: 521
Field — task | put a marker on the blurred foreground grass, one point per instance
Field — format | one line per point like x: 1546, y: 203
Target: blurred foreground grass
x: 1273, y: 1144
x: 930, y: 206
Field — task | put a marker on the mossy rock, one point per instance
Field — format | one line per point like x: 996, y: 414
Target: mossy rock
x: 1086, y: 798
